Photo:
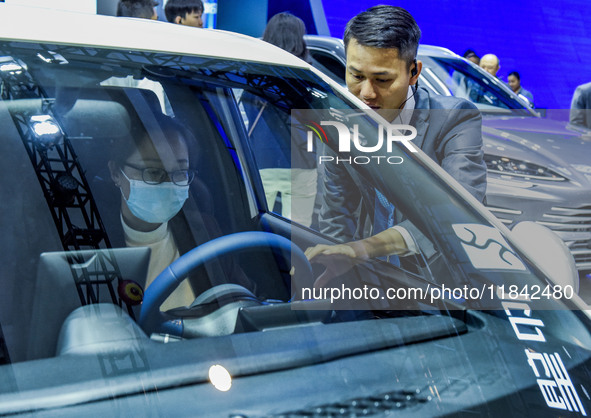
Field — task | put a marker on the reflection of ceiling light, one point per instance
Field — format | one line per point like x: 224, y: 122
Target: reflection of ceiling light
x: 11, y: 66
x: 317, y: 93
x: 47, y: 60
x: 52, y: 58
x: 220, y: 378
x: 582, y: 168
x: 46, y: 130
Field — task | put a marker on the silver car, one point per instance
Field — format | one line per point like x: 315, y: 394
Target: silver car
x: 538, y: 168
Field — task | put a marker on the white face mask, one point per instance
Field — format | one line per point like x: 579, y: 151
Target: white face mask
x: 155, y: 203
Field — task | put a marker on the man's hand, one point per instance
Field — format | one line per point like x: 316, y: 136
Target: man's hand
x: 341, y: 258
x: 338, y: 259
x: 321, y: 249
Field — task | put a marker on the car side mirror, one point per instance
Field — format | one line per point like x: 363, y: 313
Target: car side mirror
x: 548, y: 251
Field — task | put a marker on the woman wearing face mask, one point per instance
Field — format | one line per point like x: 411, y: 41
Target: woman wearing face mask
x: 153, y: 176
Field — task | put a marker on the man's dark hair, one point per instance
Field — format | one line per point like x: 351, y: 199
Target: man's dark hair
x: 174, y: 8
x: 516, y: 74
x: 469, y: 53
x: 136, y: 8
x: 385, y: 27
x: 287, y: 32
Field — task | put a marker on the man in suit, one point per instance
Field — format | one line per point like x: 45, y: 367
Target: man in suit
x: 382, y: 71
x: 580, y: 108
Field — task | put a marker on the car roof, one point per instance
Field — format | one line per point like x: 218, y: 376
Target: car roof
x: 336, y: 43
x: 64, y: 27
x: 436, y: 51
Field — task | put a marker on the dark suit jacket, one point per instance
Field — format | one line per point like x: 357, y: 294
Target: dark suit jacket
x: 449, y: 130
x: 580, y: 107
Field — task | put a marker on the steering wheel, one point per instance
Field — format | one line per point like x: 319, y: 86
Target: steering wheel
x: 152, y: 320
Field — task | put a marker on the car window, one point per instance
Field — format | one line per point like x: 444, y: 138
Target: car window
x: 93, y: 132
x: 288, y: 173
x: 328, y: 64
x: 74, y: 127
x: 453, y: 77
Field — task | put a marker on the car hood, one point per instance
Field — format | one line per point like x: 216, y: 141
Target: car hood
x: 533, y: 124
x: 434, y: 374
x: 545, y: 142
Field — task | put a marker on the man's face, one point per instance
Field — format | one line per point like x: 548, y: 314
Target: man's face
x: 490, y: 65
x: 194, y: 19
x: 379, y: 77
x: 513, y: 83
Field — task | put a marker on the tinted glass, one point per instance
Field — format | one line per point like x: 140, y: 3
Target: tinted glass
x: 80, y: 126
x: 452, y: 77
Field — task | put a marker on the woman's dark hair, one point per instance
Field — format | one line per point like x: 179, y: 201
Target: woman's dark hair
x: 287, y: 32
x: 136, y: 8
x: 385, y: 27
x: 169, y: 127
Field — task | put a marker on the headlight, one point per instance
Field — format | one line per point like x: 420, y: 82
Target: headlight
x: 516, y: 168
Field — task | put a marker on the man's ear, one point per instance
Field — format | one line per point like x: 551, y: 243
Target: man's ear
x: 178, y: 20
x: 419, y: 66
x: 115, y: 173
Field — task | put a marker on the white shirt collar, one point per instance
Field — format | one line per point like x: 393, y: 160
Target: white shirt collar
x: 144, y: 238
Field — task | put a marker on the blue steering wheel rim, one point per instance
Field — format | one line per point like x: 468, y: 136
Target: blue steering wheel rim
x: 152, y: 320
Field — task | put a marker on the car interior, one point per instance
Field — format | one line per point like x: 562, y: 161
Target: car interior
x: 87, y: 213
x: 62, y: 137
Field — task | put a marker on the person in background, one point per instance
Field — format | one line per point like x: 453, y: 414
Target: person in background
x: 381, y: 46
x: 185, y: 12
x: 287, y: 32
x: 144, y: 9
x: 490, y: 63
x: 285, y: 170
x: 470, y: 55
x: 580, y: 107
x: 514, y: 81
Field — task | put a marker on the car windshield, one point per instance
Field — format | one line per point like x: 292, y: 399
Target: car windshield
x: 454, y: 77
x: 135, y: 174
